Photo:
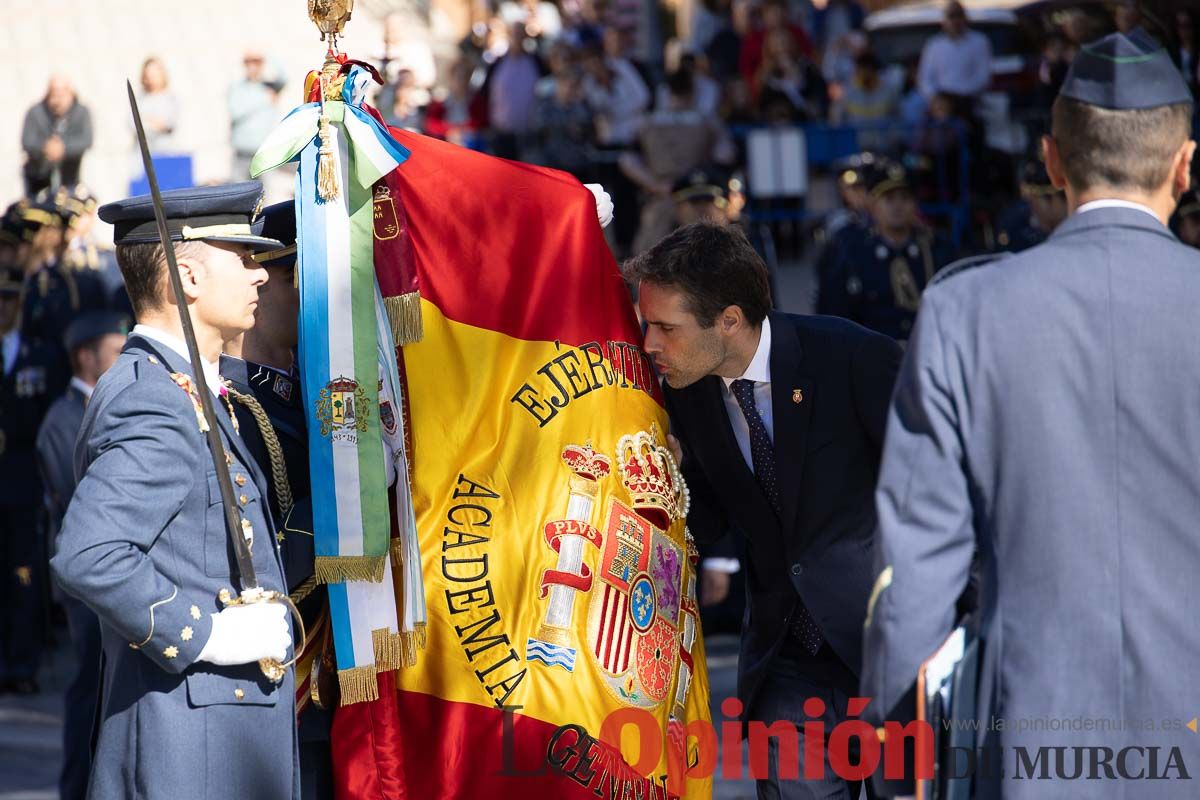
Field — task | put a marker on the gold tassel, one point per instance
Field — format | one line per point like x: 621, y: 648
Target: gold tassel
x: 420, y: 633
x: 389, y: 650
x: 404, y: 313
x: 358, y: 685
x: 338, y: 569
x: 327, y: 184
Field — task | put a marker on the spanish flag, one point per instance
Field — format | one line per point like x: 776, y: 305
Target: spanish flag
x: 559, y: 577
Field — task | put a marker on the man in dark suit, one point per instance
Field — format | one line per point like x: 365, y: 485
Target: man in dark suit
x: 779, y: 420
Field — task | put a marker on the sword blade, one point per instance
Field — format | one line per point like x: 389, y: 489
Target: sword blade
x: 241, y: 550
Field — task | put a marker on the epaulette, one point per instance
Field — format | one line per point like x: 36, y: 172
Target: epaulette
x: 964, y: 264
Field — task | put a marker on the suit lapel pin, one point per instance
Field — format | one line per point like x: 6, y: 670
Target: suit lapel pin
x: 797, y: 396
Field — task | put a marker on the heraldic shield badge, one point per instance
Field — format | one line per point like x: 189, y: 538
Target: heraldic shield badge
x: 639, y: 592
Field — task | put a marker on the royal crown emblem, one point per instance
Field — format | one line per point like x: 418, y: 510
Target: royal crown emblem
x: 586, y: 462
x: 652, y: 477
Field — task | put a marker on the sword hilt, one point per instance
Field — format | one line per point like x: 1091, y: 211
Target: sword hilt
x: 272, y: 669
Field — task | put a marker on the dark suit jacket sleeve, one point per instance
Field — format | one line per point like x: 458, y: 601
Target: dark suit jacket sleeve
x: 874, y: 367
x: 925, y: 538
x: 705, y: 519
x: 144, y: 462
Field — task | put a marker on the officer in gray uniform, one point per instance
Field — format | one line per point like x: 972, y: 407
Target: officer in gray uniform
x: 186, y: 711
x: 94, y: 342
x: 1047, y: 416
x: 270, y: 407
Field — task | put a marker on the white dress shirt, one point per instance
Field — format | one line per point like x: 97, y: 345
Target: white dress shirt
x: 759, y: 371
x: 211, y: 371
x: 83, y: 387
x: 1095, y: 204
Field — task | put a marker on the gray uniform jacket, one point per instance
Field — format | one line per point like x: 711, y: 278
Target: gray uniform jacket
x: 56, y: 451
x: 144, y: 544
x: 1048, y: 414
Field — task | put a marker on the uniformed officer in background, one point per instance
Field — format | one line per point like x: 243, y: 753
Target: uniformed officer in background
x: 701, y: 195
x: 55, y: 294
x: 877, y: 273
x: 1046, y: 418
x: 93, y: 341
x: 263, y: 377
x: 31, y: 375
x: 1041, y: 209
x: 1186, y: 221
x: 186, y: 710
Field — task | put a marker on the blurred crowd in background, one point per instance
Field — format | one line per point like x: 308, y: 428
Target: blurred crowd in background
x: 872, y: 149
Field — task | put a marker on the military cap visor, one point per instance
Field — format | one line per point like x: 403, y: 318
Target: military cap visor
x: 278, y: 222
x: 223, y: 214
x: 92, y: 325
x: 1124, y: 73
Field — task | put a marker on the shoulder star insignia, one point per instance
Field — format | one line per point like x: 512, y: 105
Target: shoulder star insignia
x: 171, y: 651
x: 186, y: 634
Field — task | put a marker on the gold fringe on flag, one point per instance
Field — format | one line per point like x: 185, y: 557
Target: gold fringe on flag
x: 389, y: 650
x: 338, y: 569
x: 404, y: 313
x: 358, y: 685
x: 413, y: 641
x: 327, y: 184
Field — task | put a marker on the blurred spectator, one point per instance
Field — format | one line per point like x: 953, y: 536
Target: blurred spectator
x: 508, y: 94
x: 723, y: 48
x: 448, y: 115
x: 1186, y: 221
x: 956, y: 62
x: 1057, y: 54
x: 772, y: 17
x: 706, y: 94
x: 541, y: 19
x: 673, y: 141
x: 866, y: 98
x: 563, y: 121
x: 788, y: 85
x: 839, y: 59
x: 1189, y: 47
x: 252, y: 112
x: 1127, y: 16
x: 56, y: 134
x: 833, y: 19
x: 1041, y: 208
x: 913, y: 104
x: 404, y: 50
x: 159, y: 108
x: 617, y: 95
x: 403, y: 107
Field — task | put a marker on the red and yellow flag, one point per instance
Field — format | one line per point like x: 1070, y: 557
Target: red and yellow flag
x: 559, y: 576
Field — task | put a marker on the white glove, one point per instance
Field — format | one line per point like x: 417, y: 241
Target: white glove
x: 604, y: 203
x: 244, y: 634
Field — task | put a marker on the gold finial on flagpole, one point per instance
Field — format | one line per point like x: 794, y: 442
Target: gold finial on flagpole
x: 330, y: 16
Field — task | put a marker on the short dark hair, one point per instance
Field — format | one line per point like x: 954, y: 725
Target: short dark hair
x: 1118, y: 149
x: 713, y: 265
x: 143, y: 266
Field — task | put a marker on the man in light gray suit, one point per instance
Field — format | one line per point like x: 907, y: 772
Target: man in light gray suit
x: 1047, y: 417
x: 185, y: 710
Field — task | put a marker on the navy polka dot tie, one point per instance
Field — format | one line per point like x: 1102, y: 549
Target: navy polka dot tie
x: 762, y: 455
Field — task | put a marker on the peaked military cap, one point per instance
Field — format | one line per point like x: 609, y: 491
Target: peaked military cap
x: 93, y: 325
x: 278, y: 221
x: 852, y: 169
x: 884, y: 175
x: 12, y: 227
x: 1124, y: 72
x: 699, y: 184
x: 11, y: 280
x: 202, y: 213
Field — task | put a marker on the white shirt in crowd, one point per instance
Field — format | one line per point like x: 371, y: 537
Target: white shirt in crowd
x: 961, y: 66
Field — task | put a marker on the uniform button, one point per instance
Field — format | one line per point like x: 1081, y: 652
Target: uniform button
x: 243, y: 499
x: 797, y: 570
x: 240, y: 480
x: 239, y: 694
